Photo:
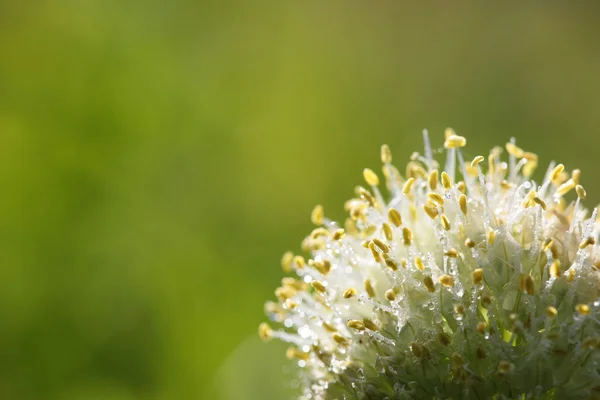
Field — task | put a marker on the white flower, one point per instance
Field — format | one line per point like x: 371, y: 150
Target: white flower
x: 465, y: 284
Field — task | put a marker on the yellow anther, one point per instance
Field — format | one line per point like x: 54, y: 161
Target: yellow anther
x: 447, y: 280
x: 429, y: 284
x: 294, y: 353
x: 446, y: 181
x: 370, y: 177
x: 433, y: 179
x: 445, y: 222
x: 296, y: 284
x: 586, y: 242
x: 369, y: 288
x: 285, y: 292
x: 438, y: 198
x: 286, y: 261
x: 356, y: 324
x: 323, y: 266
x: 386, y: 154
x: 375, y: 251
x: 318, y: 215
x: 476, y: 161
x: 369, y: 324
x: 365, y: 243
x: 455, y: 141
x: 513, y: 150
x: 506, y: 185
x: 290, y: 304
x: 382, y: 246
x: 539, y: 201
x: 551, y: 312
x: 481, y: 327
x: 407, y: 185
x: 556, y: 172
x: 350, y: 292
x: 328, y: 327
x: 580, y: 192
x: 529, y: 156
x: 392, y: 264
x: 403, y: 262
x: 431, y: 210
x: 555, y: 269
x: 448, y: 132
x: 419, y: 263
x: 340, y: 339
x: 528, y: 285
x: 451, y: 253
x: 477, y: 276
x: 583, y: 309
x: 462, y: 202
x: 413, y: 212
x: 415, y: 170
x: 491, y: 237
x: 387, y: 231
x: 547, y: 244
x: 390, y: 295
x: 318, y: 286
x: 338, y: 234
x: 407, y: 235
x: 264, y: 331
x: 394, y: 217
x: 565, y: 187
x: 596, y: 266
x: 576, y: 175
x: 529, y: 168
x: 469, y: 243
x: 570, y: 275
x: 461, y: 186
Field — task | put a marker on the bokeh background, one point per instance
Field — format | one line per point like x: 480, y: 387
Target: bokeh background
x: 157, y: 158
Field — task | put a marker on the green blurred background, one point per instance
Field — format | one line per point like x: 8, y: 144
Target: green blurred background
x: 157, y: 158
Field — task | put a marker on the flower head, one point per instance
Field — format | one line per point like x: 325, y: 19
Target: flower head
x: 472, y: 281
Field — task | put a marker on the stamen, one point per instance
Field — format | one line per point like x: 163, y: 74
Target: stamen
x: 317, y: 216
x: 386, y: 154
x: 350, y: 292
x: 394, y: 217
x: 370, y: 177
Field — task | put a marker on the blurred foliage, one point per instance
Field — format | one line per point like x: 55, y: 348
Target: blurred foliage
x: 157, y: 158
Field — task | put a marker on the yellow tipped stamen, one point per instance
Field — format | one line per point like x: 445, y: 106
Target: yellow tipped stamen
x: 386, y: 154
x: 447, y: 280
x: 369, y: 324
x: 583, y: 309
x: 419, y: 263
x: 469, y: 243
x: 476, y: 161
x: 445, y: 222
x: 491, y: 236
x: 328, y: 327
x: 513, y: 150
x: 264, y: 331
x: 318, y: 286
x: 454, y: 142
x: 481, y: 327
x: 477, y: 276
x: 461, y: 186
x: 433, y: 179
x: 394, y: 217
x: 369, y: 288
x: 375, y: 251
x: 350, y: 292
x: 407, y: 236
x: 556, y: 172
x: 390, y: 295
x: 431, y: 210
x: 382, y: 246
x: 338, y: 234
x: 286, y: 261
x: 448, y: 132
x: 429, y: 284
x: 551, y: 312
x: 407, y: 185
x: 527, y: 284
x: 506, y: 185
x: 294, y: 353
x: 586, y: 242
x: 413, y: 212
x: 323, y: 266
x: 451, y: 253
x: 356, y: 324
x: 462, y: 202
x: 340, y: 339
x: 387, y: 231
x: 317, y: 216
x: 438, y: 198
x: 370, y: 177
x: 565, y: 187
x: 580, y: 192
x: 446, y: 181
x: 571, y: 275
x: 576, y: 175
x: 392, y: 264
x: 290, y: 304
x: 555, y: 269
x: 541, y: 202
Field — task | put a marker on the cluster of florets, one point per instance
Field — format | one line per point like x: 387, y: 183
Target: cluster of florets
x: 469, y: 283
